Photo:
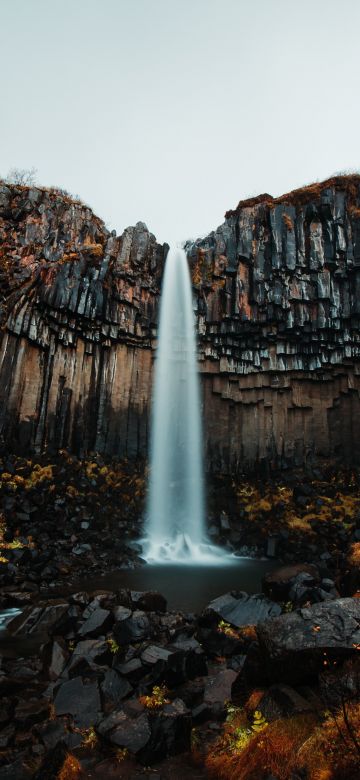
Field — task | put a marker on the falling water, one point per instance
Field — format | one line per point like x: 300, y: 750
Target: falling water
x: 175, y: 528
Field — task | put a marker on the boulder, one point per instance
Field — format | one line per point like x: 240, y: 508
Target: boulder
x: 218, y: 689
x: 277, y: 583
x: 133, y: 669
x: 79, y: 700
x: 133, y: 628
x: 37, y: 619
x: 97, y: 624
x: 31, y: 711
x: 170, y: 732
x: 281, y: 701
x: 194, y: 658
x: 240, y: 609
x: 88, y: 652
x: 125, y: 731
x: 149, y: 601
x: 55, y: 657
x: 113, y: 688
x: 295, y: 645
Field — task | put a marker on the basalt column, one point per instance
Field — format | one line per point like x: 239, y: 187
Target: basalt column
x: 278, y: 302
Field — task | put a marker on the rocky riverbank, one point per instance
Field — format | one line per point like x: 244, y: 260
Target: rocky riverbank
x: 119, y: 683
x: 102, y: 683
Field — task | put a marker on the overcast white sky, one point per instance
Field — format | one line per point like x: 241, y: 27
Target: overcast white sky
x: 171, y: 111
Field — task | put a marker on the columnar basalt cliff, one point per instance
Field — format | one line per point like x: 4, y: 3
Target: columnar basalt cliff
x: 278, y: 291
x: 277, y: 288
x: 77, y: 311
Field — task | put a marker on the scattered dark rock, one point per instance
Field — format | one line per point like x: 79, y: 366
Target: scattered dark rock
x: 113, y: 688
x: 240, y: 609
x: 125, y: 731
x: 79, y: 700
x: 281, y: 701
x: 97, y: 624
x: 294, y: 645
x: 277, y: 583
x: 218, y: 689
x: 133, y: 628
x: 148, y: 601
x: 31, y: 711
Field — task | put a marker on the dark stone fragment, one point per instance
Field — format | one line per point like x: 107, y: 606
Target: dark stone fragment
x: 201, y: 713
x: 281, y: 701
x: 125, y: 731
x: 218, y: 689
x: 293, y: 645
x: 6, y: 735
x: 52, y: 763
x: 17, y: 770
x: 51, y: 733
x: 133, y: 669
x: 277, y: 583
x: 149, y: 601
x: 170, y: 732
x: 133, y: 629
x: 239, y: 609
x: 99, y: 622
x: 79, y: 700
x: 55, y: 656
x: 114, y: 688
x: 31, y: 711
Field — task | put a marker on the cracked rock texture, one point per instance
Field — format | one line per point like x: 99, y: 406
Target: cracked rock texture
x: 278, y: 301
x: 277, y: 295
x: 78, y: 309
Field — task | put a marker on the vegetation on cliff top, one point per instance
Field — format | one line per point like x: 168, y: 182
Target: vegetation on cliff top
x: 349, y: 182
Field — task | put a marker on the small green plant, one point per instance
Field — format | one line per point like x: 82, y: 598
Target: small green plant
x: 121, y: 754
x: 232, y: 712
x: 259, y: 722
x: 227, y: 629
x: 239, y: 739
x: 113, y: 645
x: 89, y: 737
x: 157, y: 698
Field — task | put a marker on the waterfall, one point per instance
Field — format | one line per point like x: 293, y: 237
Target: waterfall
x: 175, y: 525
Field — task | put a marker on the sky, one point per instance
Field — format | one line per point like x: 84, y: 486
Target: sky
x: 171, y: 111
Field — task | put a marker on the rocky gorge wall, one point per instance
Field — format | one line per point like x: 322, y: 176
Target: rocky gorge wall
x: 277, y: 295
x: 78, y: 311
x: 278, y: 300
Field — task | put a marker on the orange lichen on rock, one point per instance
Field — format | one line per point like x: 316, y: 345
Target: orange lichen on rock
x: 354, y: 557
x: 71, y: 769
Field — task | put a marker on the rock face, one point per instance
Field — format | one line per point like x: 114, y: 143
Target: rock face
x: 78, y: 310
x: 278, y: 306
x: 277, y: 296
x: 295, y: 646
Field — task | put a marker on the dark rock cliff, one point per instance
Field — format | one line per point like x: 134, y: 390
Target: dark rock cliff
x: 278, y: 299
x: 278, y: 291
x: 78, y: 308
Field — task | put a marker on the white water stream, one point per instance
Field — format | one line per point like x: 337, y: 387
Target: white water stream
x: 175, y: 526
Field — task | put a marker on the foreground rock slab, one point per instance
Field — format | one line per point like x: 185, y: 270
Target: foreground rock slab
x: 295, y: 646
x: 240, y: 609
